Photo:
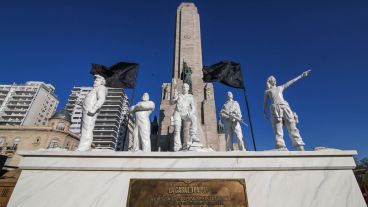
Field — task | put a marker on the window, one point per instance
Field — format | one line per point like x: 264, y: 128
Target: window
x: 4, y: 192
x: 15, y: 144
x: 2, y: 141
x: 37, y: 141
x: 54, y: 143
x: 60, y: 126
x: 67, y: 145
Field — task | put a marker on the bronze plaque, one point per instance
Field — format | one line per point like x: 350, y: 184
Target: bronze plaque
x: 187, y: 192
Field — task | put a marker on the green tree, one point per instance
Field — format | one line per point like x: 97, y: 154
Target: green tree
x: 361, y: 174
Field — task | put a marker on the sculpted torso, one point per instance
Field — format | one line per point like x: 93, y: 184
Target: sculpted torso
x: 146, y: 109
x: 92, y: 97
x: 185, y: 104
x: 232, y: 107
x: 275, y: 95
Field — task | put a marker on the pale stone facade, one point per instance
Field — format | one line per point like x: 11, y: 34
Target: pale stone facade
x: 32, y: 103
x: 188, y: 49
x: 28, y: 138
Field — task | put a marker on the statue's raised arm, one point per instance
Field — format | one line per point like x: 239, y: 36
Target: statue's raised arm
x: 304, y: 74
x: 281, y: 113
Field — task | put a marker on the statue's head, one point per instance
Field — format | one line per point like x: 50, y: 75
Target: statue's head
x: 185, y: 88
x: 99, y: 80
x: 145, y: 97
x: 271, y: 81
x: 229, y: 95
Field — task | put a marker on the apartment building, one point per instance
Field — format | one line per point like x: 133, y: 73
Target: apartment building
x: 110, y: 128
x: 32, y: 103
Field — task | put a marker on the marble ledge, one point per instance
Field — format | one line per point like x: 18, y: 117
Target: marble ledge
x: 188, y: 161
x: 238, y: 154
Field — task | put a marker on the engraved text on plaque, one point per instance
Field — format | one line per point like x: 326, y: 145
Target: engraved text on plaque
x: 187, y: 192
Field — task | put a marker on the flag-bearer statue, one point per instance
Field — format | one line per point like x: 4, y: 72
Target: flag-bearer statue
x: 142, y: 129
x: 281, y: 113
x: 185, y: 110
x: 91, y: 105
x: 232, y: 118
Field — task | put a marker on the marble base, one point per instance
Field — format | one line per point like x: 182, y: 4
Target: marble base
x: 277, y: 179
x: 195, y: 146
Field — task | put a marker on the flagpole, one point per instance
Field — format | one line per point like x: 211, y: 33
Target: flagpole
x: 133, y: 93
x: 130, y: 103
x: 248, y: 110
x: 250, y: 119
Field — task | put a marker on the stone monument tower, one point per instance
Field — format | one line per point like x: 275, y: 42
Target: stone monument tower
x: 188, y: 53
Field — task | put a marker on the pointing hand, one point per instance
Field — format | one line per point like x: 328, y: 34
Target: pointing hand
x: 306, y: 73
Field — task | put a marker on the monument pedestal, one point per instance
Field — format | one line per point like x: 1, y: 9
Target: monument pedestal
x: 272, y: 178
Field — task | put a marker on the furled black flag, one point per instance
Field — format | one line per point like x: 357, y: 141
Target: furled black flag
x: 120, y: 75
x: 226, y: 72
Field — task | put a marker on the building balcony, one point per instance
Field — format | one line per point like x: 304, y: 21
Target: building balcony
x: 104, y: 119
x: 102, y: 130
x: 112, y: 106
x: 107, y: 127
x: 104, y: 140
x: 29, y: 90
x: 102, y: 124
x: 17, y: 109
x: 13, y: 115
x: 23, y: 95
x: 17, y: 104
x: 107, y: 132
x: 14, y: 121
x: 114, y: 103
x: 103, y: 147
x: 105, y: 135
x: 115, y: 93
x: 110, y: 116
x: 19, y: 99
x: 112, y: 110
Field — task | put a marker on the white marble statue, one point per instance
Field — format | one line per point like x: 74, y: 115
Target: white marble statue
x: 281, y: 113
x: 91, y: 105
x: 185, y: 110
x: 232, y: 117
x: 142, y: 128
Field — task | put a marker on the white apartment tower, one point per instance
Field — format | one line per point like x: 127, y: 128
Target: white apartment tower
x: 32, y: 103
x: 110, y: 128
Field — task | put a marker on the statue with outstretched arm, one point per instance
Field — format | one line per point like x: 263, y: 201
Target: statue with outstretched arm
x: 142, y: 128
x: 91, y: 106
x: 281, y: 113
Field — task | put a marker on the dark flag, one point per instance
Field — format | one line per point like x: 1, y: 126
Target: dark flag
x: 226, y: 72
x: 120, y: 75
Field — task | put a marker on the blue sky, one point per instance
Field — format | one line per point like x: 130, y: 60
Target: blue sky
x: 56, y: 41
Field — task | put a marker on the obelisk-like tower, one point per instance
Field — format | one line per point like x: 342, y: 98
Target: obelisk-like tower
x: 188, y: 49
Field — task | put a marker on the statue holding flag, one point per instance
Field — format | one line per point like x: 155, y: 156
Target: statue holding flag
x: 91, y: 105
x: 281, y: 113
x: 120, y: 75
x: 186, y: 76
